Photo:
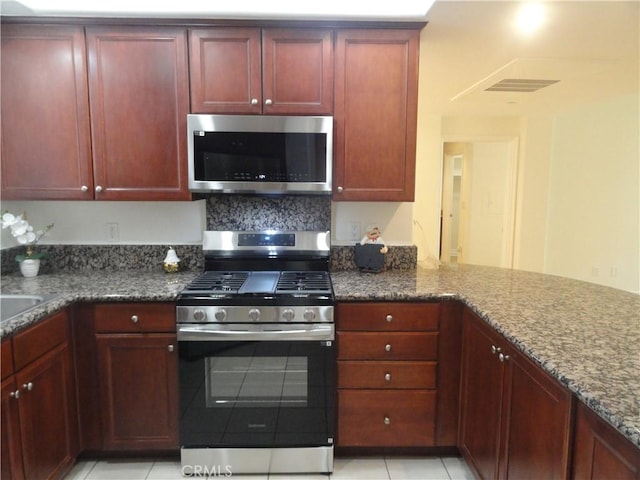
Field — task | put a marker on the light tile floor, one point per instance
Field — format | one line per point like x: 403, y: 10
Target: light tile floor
x: 391, y: 468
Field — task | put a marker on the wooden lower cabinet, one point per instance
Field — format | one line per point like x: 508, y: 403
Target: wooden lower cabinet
x: 39, y: 422
x: 137, y: 376
x: 11, y: 438
x: 387, y: 374
x: 388, y: 418
x: 600, y: 452
x: 515, y: 419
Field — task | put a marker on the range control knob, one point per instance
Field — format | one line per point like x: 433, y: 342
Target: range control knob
x: 288, y: 314
x: 199, y: 315
x: 254, y: 314
x: 221, y: 315
x: 309, y: 315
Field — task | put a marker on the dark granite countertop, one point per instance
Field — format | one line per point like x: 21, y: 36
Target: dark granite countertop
x: 586, y: 336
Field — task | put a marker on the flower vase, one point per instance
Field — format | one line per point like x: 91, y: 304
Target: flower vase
x: 30, y: 267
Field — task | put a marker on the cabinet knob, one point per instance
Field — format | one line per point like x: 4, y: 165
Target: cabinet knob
x: 98, y: 189
x: 27, y: 386
x: 15, y: 394
x: 170, y: 348
x: 134, y: 318
x: 503, y: 358
x: 389, y: 318
x: 254, y: 101
x: 387, y: 347
x: 340, y: 189
x: 387, y: 377
x: 268, y: 101
x: 495, y: 349
x: 387, y: 421
x: 84, y: 188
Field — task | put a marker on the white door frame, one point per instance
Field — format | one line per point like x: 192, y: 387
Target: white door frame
x: 510, y: 190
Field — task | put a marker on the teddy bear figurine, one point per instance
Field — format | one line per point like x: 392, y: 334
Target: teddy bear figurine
x: 374, y: 236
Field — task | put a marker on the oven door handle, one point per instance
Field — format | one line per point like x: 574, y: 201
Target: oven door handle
x: 204, y: 333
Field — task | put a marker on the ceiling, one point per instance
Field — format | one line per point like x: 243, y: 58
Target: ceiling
x: 588, y: 50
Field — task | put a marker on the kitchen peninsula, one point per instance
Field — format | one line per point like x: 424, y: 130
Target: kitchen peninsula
x: 585, y: 336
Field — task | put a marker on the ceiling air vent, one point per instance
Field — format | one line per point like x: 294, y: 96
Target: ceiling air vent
x: 519, y: 85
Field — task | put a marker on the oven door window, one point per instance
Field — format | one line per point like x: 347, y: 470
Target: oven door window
x: 256, y: 394
x: 256, y: 381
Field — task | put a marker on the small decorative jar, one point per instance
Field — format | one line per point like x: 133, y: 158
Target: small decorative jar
x: 171, y: 262
x: 30, y: 267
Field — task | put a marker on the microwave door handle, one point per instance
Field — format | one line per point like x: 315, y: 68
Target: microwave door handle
x: 186, y: 333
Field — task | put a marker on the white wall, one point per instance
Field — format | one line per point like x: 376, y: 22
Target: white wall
x: 81, y: 223
x: 532, y: 193
x: 393, y: 218
x: 593, y: 220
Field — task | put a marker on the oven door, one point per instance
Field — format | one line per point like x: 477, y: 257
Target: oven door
x: 244, y: 387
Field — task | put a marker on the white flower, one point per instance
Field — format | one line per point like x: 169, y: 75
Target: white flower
x: 8, y: 219
x: 21, y: 230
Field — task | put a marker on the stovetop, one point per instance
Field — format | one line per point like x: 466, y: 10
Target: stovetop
x: 259, y: 283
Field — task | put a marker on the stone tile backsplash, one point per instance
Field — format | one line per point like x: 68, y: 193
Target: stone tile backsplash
x: 223, y: 212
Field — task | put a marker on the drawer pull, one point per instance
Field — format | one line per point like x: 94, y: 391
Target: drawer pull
x: 15, y: 394
x: 389, y: 318
x: 495, y: 349
x: 27, y: 386
x: 387, y: 377
x: 387, y: 421
x: 387, y: 347
x: 170, y: 348
x: 134, y: 318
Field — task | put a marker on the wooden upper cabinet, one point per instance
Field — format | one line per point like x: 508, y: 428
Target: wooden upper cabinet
x: 297, y: 71
x: 376, y: 92
x: 46, y: 148
x: 139, y: 98
x: 253, y: 71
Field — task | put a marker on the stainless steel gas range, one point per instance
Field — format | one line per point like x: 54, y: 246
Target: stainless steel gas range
x: 257, y: 355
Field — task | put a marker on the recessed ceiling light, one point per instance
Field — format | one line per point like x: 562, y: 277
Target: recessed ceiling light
x: 530, y: 17
x: 240, y: 8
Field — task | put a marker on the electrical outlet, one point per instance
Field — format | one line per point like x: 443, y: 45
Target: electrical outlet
x: 354, y: 230
x: 113, y: 232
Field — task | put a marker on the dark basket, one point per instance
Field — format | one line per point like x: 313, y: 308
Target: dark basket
x: 369, y: 258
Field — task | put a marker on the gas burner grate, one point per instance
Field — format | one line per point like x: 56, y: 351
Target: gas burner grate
x: 213, y: 281
x: 307, y: 282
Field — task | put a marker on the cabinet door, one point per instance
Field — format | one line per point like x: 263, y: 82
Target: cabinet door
x: 11, y: 440
x: 139, y: 391
x: 536, y: 422
x: 480, y: 398
x: 47, y: 411
x: 376, y: 88
x: 297, y: 71
x: 225, y: 70
x: 600, y: 452
x: 46, y: 149
x: 139, y: 97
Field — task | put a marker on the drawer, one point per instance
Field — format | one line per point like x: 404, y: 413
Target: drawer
x: 6, y: 358
x: 387, y: 346
x: 392, y: 316
x: 386, y: 418
x: 39, y: 339
x: 134, y: 317
x: 355, y: 374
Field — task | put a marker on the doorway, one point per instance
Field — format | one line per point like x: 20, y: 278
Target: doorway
x: 478, y: 202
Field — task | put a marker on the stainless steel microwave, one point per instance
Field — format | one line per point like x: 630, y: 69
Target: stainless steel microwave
x: 260, y: 154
